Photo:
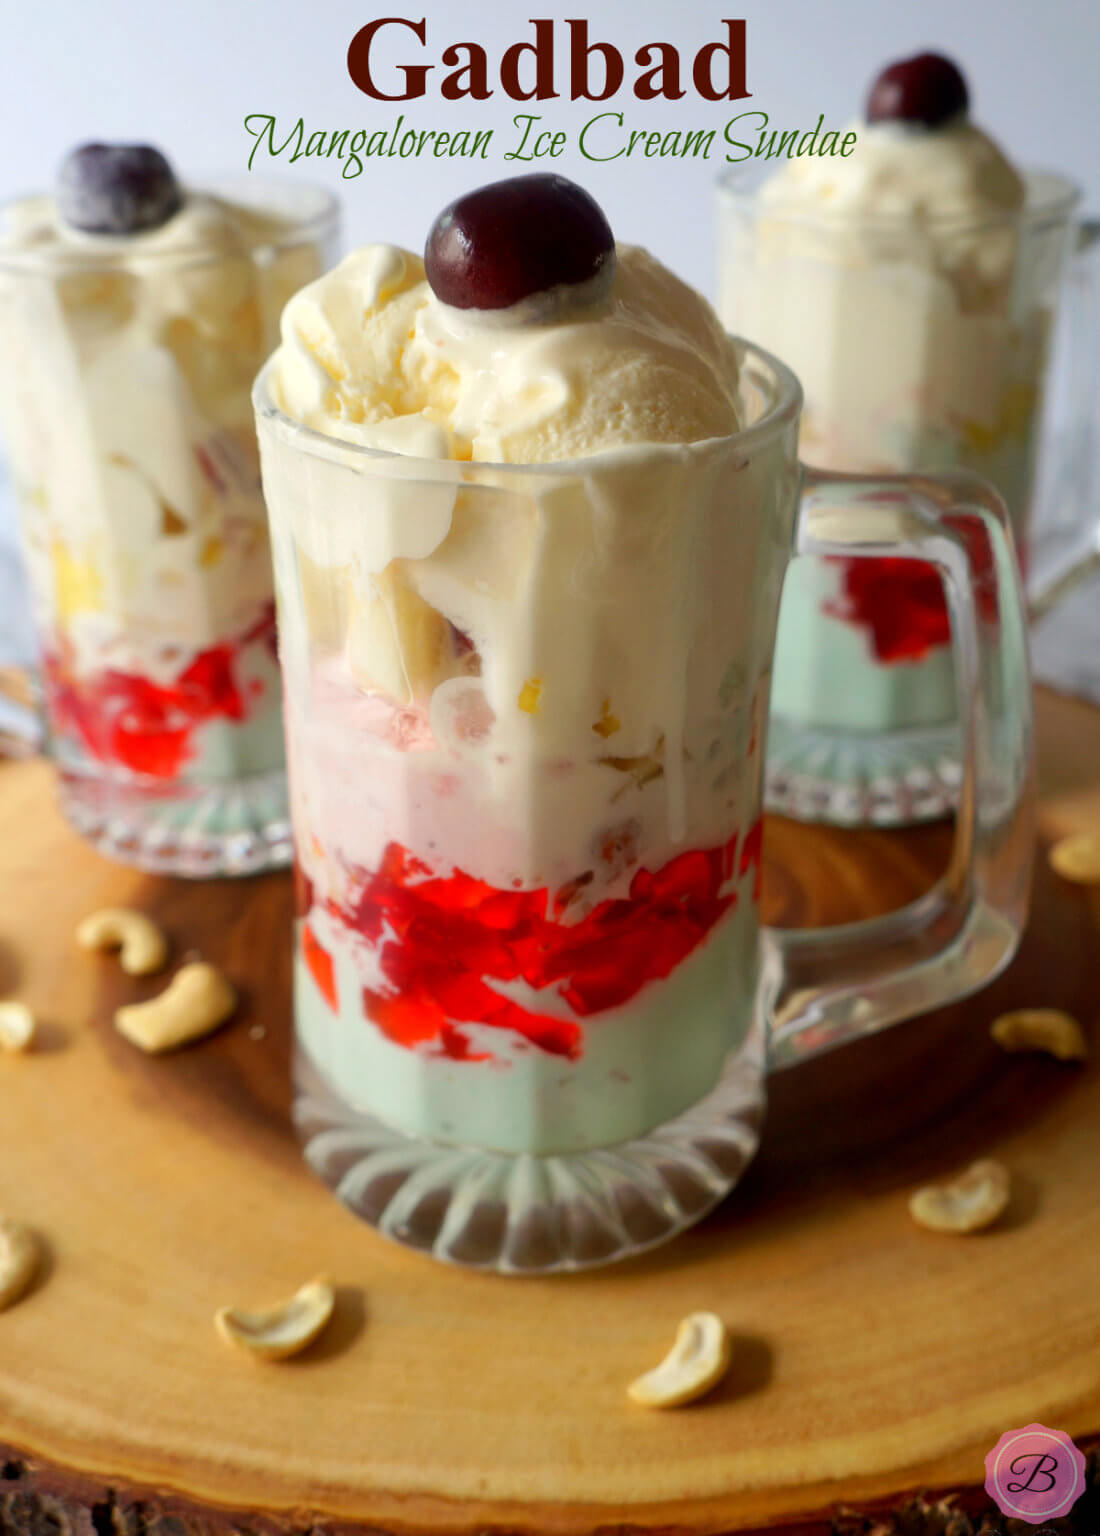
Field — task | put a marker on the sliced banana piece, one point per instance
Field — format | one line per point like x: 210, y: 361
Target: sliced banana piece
x: 282, y: 1330
x: 397, y: 644
x: 698, y: 1359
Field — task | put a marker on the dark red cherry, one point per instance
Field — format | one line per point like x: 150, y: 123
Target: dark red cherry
x: 926, y: 89
x: 515, y: 238
x: 117, y: 189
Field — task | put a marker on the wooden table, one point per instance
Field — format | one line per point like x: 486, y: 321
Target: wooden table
x: 872, y: 1359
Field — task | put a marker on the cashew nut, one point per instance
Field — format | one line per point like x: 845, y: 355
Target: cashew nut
x: 18, y: 1260
x: 282, y: 1330
x: 699, y: 1358
x: 1077, y: 858
x: 196, y: 1001
x: 1041, y: 1029
x: 17, y: 1027
x: 143, y: 947
x: 972, y: 1201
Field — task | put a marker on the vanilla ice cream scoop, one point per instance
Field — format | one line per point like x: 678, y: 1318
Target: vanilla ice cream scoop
x: 898, y: 171
x: 576, y: 367
x: 917, y: 157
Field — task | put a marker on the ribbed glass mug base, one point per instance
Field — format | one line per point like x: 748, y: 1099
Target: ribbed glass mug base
x: 862, y: 778
x: 527, y: 1214
x: 239, y: 827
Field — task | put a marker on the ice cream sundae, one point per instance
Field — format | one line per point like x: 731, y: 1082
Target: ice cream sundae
x: 134, y: 314
x: 527, y: 585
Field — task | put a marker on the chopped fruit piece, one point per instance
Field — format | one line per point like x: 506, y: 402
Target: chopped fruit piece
x: 608, y: 723
x: 643, y: 769
x: 530, y: 695
x: 512, y: 239
x: 320, y: 965
x: 212, y: 551
x: 618, y: 846
x: 397, y: 644
x: 471, y: 715
x: 78, y: 584
x: 171, y: 523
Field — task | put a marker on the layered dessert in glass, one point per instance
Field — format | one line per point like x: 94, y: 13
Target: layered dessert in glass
x: 912, y: 287
x: 528, y: 583
x: 134, y: 314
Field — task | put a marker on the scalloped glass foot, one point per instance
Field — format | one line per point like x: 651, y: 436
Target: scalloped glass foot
x: 857, y: 778
x: 534, y: 1215
x: 240, y: 827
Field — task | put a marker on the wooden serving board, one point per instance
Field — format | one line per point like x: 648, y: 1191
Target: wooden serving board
x: 871, y: 1359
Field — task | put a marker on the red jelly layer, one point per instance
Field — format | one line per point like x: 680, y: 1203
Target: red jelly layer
x: 444, y: 940
x: 901, y: 603
x: 148, y: 727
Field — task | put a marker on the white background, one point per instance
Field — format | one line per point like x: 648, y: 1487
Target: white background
x: 184, y: 75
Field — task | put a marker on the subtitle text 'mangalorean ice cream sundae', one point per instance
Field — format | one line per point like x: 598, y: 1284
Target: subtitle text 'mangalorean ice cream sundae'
x: 911, y: 286
x: 526, y: 675
x: 134, y: 314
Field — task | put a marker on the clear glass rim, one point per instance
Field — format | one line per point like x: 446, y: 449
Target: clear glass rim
x: 1051, y: 199
x: 311, y: 211
x: 781, y: 411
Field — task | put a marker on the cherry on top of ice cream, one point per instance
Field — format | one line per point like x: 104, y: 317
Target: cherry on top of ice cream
x: 117, y: 189
x: 516, y: 238
x: 926, y: 89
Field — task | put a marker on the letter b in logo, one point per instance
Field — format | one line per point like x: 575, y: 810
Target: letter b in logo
x: 1035, y: 1474
x: 1043, y: 1465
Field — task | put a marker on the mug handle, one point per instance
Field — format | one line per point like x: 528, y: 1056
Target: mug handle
x: 824, y: 987
x: 1069, y: 552
x: 21, y: 731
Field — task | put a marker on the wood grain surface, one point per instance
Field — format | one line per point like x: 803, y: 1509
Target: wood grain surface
x: 871, y: 1359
